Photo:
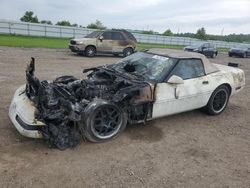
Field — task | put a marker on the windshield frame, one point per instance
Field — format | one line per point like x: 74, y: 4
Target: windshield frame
x: 163, y: 76
x: 97, y: 34
x: 198, y: 44
x: 243, y: 47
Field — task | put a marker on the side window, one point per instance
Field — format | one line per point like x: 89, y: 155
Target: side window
x: 117, y: 36
x: 189, y: 68
x: 206, y: 45
x: 107, y: 35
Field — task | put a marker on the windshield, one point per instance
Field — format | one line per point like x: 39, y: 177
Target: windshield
x: 148, y: 66
x: 197, y: 45
x: 244, y: 47
x: 94, y: 34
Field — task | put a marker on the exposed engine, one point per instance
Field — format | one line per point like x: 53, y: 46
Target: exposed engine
x: 61, y: 103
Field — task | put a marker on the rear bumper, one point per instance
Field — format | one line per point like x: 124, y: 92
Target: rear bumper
x: 22, y: 115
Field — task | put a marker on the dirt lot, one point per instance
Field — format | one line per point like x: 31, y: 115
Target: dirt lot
x: 185, y: 150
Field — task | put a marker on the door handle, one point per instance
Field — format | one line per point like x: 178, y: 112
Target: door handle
x: 205, y: 82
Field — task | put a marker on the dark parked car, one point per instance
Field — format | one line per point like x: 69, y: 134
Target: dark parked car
x: 109, y: 42
x: 205, y: 48
x: 240, y: 51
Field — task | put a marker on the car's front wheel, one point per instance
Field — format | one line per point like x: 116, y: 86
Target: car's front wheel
x: 218, y: 100
x: 214, y: 55
x: 103, y: 121
x: 90, y: 51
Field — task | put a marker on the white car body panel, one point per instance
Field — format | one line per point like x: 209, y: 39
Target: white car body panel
x: 193, y: 94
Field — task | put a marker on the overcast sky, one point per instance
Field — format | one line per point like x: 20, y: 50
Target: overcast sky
x: 157, y: 15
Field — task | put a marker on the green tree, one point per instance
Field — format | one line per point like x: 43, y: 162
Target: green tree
x: 46, y: 22
x: 150, y: 32
x: 63, y: 23
x: 168, y: 32
x: 97, y: 25
x: 201, y: 34
x: 74, y: 25
x: 29, y: 17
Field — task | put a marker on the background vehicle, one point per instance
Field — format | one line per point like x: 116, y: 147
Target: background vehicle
x: 109, y: 42
x: 141, y: 87
x: 240, y: 51
x: 206, y: 48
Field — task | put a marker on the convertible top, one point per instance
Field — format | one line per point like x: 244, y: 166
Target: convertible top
x: 208, y: 66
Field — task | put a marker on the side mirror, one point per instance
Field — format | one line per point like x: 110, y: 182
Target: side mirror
x: 101, y: 38
x: 175, y: 80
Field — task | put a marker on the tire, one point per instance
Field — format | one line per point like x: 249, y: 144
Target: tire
x: 213, y: 55
x: 230, y: 55
x: 127, y: 52
x: 116, y: 55
x: 90, y: 51
x: 103, y: 121
x: 218, y: 101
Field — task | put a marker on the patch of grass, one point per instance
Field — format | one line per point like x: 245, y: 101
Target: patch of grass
x: 222, y: 49
x: 52, y: 42
x: 33, y: 42
x: 142, y: 46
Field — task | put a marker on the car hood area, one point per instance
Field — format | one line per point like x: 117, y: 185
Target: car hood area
x: 63, y: 104
x: 191, y: 47
x: 237, y: 49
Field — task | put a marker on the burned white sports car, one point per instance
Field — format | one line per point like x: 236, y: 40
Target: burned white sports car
x: 138, y: 88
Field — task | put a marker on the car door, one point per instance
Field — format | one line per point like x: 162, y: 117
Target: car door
x: 248, y: 52
x: 192, y: 94
x: 104, y: 43
x: 119, y: 42
x: 206, y: 50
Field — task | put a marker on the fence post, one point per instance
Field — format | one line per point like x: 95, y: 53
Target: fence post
x: 45, y: 30
x: 60, y: 32
x: 28, y: 25
x: 9, y: 28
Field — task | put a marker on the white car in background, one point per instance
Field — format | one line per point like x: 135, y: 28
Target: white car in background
x: 141, y: 87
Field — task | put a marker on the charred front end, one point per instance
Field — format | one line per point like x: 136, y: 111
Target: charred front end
x: 97, y: 108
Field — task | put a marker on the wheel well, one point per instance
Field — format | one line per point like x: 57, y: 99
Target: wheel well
x: 90, y: 46
x: 128, y: 48
x: 228, y: 86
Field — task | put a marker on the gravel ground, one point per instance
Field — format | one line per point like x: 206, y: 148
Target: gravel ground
x: 185, y: 150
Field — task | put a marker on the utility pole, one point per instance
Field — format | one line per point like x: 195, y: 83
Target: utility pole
x: 222, y: 31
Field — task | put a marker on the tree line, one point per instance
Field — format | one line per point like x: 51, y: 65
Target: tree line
x: 200, y: 34
x: 30, y: 17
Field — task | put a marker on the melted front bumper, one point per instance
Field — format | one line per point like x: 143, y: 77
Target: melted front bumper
x: 22, y: 115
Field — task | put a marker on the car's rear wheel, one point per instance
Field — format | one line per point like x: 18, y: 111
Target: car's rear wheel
x: 127, y: 52
x: 90, y: 51
x: 104, y: 121
x: 218, y: 100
